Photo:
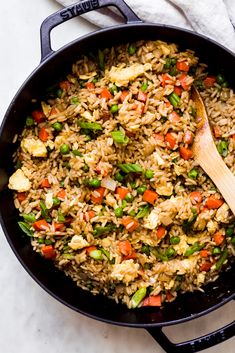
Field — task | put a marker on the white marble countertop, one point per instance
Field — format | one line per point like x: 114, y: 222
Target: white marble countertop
x: 31, y: 321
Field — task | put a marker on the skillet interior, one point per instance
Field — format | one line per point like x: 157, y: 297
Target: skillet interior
x: 186, y: 306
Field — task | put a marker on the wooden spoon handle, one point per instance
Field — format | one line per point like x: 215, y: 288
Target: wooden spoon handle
x: 220, y: 174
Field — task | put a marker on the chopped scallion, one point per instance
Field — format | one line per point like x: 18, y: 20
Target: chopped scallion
x: 174, y: 99
x: 45, y: 212
x: 30, y: 217
x: 119, y: 137
x: 130, y: 168
x: 138, y: 297
x: 89, y: 125
x: 193, y: 248
x: 143, y: 212
x: 61, y: 217
x: 25, y: 227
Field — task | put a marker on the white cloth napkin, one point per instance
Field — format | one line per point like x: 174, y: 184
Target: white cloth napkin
x: 213, y: 18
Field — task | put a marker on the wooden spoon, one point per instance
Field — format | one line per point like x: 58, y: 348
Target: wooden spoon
x: 207, y: 156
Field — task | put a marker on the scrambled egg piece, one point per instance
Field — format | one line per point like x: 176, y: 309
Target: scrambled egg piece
x: 122, y: 76
x: 19, y: 182
x: 91, y: 159
x: 111, y: 201
x: 222, y: 214
x: 49, y: 200
x: 50, y: 144
x: 127, y: 271
x: 78, y: 242
x: 87, y: 115
x: 59, y: 140
x: 157, y: 158
x: 176, y: 266
x: 182, y: 246
x: 152, y: 221
x: 212, y: 227
x: 164, y: 188
x: 33, y: 146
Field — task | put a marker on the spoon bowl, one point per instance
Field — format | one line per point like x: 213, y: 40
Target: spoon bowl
x: 207, y: 156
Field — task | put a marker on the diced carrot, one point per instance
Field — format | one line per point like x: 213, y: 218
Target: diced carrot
x: 188, y: 137
x: 150, y: 196
x: 185, y: 153
x: 169, y: 296
x: 90, y: 248
x: 41, y: 225
x: 139, y: 107
x: 183, y: 81
x: 212, y: 202
x: 153, y: 300
x: 209, y: 81
x: 196, y: 196
x: 61, y: 194
x: 204, y: 253
x: 178, y: 90
x: 174, y: 117
x: 206, y: 266
x: 161, y: 232
x: 159, y: 137
x: 141, y: 272
x: 38, y: 116
x: 130, y: 223
x: 182, y: 65
x: 124, y: 95
x: 45, y: 183
x: 133, y: 256
x: 90, y: 85
x: 233, y: 137
x: 217, y: 131
x: 48, y: 251
x: 218, y: 238
x: 125, y: 247
x: 65, y: 85
x: 166, y: 80
x: 21, y: 196
x: 59, y: 226
x: 170, y: 140
x: 105, y: 94
x: 130, y: 133
x: 89, y: 215
x: 97, y: 195
x: 43, y: 134
x: 54, y: 111
x: 167, y: 104
x: 142, y: 97
x: 204, y: 209
x: 122, y: 192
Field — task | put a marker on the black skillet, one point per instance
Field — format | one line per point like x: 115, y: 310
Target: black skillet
x: 53, y: 65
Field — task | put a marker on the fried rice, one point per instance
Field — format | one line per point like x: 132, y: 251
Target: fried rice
x: 105, y: 179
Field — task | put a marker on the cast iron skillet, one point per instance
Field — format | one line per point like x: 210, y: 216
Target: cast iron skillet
x: 53, y: 65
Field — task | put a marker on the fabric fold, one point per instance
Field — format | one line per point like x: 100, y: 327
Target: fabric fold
x: 213, y: 18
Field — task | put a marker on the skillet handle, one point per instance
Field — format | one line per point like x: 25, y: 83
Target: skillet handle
x: 194, y: 345
x: 77, y: 9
